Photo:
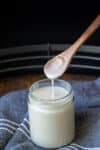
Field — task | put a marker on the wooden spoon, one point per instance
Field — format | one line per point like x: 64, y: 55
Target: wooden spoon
x: 56, y: 66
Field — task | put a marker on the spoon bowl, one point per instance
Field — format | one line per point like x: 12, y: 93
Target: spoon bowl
x: 52, y: 68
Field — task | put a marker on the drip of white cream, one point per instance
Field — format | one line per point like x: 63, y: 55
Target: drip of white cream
x: 52, y: 90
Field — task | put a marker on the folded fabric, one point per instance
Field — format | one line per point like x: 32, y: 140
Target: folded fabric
x: 14, y: 124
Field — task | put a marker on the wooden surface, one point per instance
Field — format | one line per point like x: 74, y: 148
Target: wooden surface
x: 25, y: 81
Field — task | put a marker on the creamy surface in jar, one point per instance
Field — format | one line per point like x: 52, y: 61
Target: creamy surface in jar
x: 51, y: 125
x: 45, y: 93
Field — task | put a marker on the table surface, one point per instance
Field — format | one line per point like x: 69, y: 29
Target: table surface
x: 10, y: 84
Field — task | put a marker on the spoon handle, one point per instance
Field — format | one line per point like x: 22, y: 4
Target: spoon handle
x: 85, y: 35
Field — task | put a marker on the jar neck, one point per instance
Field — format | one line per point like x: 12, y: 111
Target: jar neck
x: 38, y: 86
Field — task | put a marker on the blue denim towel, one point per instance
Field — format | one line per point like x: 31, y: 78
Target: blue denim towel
x: 14, y: 124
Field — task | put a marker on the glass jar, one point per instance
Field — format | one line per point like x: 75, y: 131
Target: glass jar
x: 51, y: 120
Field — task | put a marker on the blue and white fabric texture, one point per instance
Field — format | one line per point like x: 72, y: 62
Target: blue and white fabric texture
x: 14, y: 124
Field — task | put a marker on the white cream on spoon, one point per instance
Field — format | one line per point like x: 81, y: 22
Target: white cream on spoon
x: 53, y: 69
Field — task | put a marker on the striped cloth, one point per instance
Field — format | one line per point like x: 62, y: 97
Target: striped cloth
x: 14, y: 124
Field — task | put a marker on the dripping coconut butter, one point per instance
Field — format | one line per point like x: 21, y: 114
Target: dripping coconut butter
x: 51, y: 111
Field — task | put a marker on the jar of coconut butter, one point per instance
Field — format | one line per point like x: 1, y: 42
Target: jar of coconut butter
x: 51, y: 118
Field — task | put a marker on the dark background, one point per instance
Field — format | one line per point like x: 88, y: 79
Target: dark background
x: 36, y: 22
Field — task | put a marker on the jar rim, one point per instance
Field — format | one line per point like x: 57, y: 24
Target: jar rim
x: 56, y: 100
